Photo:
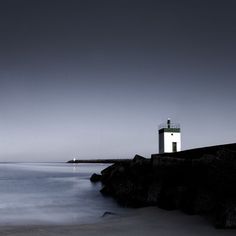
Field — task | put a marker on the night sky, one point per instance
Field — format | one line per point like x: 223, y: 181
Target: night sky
x: 94, y: 79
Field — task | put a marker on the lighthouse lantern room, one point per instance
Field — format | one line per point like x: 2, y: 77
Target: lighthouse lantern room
x: 169, y: 137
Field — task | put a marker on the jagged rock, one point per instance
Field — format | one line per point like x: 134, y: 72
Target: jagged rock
x: 95, y: 178
x: 139, y: 161
x: 108, y: 213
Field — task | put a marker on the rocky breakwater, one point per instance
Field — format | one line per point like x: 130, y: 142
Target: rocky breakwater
x: 200, y: 181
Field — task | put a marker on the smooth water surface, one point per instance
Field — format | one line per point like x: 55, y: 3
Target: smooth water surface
x: 51, y: 193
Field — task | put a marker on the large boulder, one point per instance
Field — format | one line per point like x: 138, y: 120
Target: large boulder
x: 95, y: 178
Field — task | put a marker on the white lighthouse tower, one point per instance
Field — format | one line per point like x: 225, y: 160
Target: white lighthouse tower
x: 169, y: 137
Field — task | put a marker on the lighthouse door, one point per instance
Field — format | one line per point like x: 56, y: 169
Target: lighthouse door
x: 174, y: 146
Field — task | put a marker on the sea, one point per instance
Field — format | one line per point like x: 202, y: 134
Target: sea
x: 52, y: 193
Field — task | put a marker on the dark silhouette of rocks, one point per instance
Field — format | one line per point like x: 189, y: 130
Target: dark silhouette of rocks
x: 108, y: 213
x: 199, y: 181
x: 95, y: 178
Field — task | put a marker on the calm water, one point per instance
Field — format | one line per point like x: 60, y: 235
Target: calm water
x: 51, y: 193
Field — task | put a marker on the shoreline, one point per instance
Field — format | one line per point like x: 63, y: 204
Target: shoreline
x: 142, y: 221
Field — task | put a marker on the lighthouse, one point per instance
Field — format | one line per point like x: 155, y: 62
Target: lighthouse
x: 169, y: 137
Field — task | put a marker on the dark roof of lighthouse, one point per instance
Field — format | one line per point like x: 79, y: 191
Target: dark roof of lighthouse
x: 170, y: 130
x: 169, y: 127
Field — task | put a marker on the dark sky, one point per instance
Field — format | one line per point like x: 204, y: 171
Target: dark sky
x: 96, y: 78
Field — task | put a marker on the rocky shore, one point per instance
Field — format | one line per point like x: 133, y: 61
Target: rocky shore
x: 199, y: 181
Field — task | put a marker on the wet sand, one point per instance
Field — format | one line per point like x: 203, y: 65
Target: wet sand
x: 145, y: 221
